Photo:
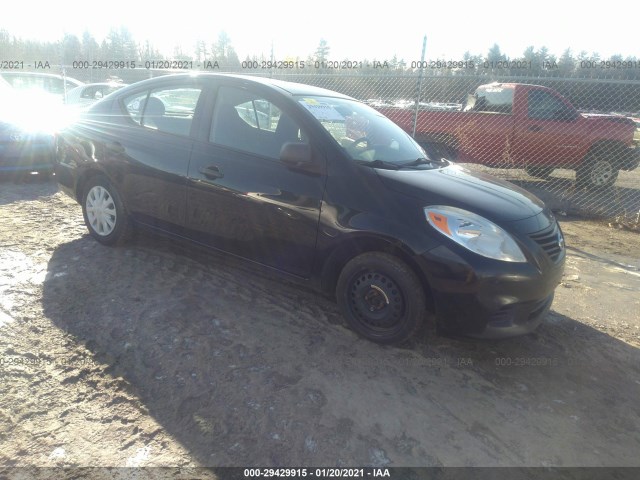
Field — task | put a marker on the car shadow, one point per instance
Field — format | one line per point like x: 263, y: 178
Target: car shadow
x: 244, y: 368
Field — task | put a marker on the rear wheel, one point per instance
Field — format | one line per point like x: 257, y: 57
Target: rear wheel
x: 539, y: 171
x: 103, y: 211
x: 596, y: 172
x: 381, y: 298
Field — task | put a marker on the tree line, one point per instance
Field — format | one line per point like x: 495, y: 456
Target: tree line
x: 588, y: 80
x: 120, y: 45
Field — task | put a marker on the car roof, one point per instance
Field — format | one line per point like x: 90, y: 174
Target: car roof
x: 290, y: 88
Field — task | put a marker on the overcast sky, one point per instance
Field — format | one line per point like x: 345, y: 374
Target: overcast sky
x: 354, y: 30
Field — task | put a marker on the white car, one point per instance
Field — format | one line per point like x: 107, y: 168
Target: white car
x: 91, y: 92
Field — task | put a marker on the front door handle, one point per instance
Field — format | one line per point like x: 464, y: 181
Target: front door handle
x: 212, y: 172
x: 535, y: 128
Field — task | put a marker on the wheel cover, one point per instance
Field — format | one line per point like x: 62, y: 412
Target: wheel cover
x: 601, y: 173
x: 376, y: 301
x: 101, y: 211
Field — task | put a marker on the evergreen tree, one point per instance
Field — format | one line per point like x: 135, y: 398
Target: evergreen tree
x: 322, y: 52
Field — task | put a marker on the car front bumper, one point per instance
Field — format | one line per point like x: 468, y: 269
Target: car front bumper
x: 485, y: 298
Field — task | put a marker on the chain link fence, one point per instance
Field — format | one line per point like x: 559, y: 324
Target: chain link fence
x: 573, y: 142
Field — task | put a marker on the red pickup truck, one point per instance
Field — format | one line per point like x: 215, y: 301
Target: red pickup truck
x: 512, y: 125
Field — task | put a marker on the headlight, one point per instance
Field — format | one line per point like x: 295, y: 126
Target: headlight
x: 474, y: 233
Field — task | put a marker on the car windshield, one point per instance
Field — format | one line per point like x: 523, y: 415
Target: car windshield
x: 367, y: 136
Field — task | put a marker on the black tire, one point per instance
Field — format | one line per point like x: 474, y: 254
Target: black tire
x: 381, y: 298
x: 539, y: 171
x: 104, y: 213
x: 596, y: 172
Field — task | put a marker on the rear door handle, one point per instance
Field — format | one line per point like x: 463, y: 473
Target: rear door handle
x: 535, y: 128
x: 212, y: 172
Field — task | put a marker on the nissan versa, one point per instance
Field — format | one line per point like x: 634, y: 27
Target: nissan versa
x: 321, y: 187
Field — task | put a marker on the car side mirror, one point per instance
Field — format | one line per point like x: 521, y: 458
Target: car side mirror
x: 295, y: 154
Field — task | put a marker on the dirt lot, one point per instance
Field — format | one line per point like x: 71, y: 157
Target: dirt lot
x: 159, y: 354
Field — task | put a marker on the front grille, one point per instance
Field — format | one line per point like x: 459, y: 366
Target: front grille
x: 503, y: 318
x: 522, y: 313
x: 550, y: 239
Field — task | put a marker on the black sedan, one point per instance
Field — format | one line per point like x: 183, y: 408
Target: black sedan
x: 321, y: 187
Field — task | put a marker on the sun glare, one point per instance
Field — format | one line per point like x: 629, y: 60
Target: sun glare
x: 350, y: 29
x: 34, y: 111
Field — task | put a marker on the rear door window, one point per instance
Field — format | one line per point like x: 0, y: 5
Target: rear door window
x: 168, y: 110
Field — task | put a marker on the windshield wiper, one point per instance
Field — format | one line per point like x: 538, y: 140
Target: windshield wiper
x: 425, y: 161
x: 380, y: 164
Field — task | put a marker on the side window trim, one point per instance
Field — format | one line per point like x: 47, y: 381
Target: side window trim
x: 255, y: 113
x: 125, y: 111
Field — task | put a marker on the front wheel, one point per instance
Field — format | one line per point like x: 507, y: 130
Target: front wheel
x: 381, y: 298
x: 596, y: 172
x: 103, y: 211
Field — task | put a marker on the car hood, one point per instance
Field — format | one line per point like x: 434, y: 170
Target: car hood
x: 476, y: 192
x: 605, y: 118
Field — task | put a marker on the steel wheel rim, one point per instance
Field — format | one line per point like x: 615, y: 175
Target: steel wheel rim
x: 376, y: 301
x: 601, y: 173
x: 101, y: 211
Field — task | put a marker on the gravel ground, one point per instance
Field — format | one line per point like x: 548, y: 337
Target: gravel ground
x: 161, y: 354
